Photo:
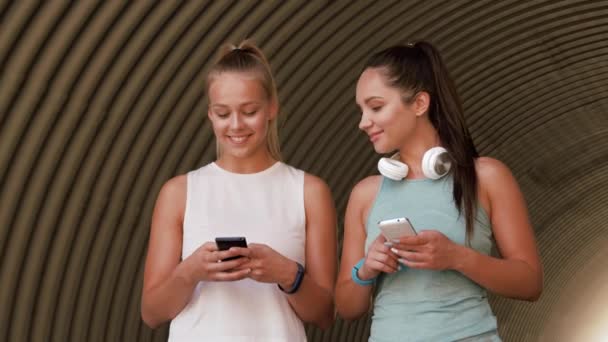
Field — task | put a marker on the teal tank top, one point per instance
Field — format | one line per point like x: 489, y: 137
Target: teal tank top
x: 427, y: 305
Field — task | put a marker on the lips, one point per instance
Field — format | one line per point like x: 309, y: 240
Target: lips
x: 238, y: 139
x: 374, y: 136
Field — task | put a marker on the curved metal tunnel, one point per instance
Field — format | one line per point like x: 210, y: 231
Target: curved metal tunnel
x: 102, y: 101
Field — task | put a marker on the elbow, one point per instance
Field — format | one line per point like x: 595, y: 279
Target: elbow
x: 535, y: 293
x: 149, y: 321
x: 149, y: 317
x: 326, y: 321
x: 533, y: 290
x: 349, y: 315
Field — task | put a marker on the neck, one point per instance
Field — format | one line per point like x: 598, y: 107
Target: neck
x: 252, y: 164
x: 411, y: 152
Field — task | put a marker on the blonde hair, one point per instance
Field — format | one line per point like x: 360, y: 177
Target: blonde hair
x: 247, y: 57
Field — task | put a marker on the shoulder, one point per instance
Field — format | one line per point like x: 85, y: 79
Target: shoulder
x: 490, y: 170
x: 315, y: 185
x: 318, y: 199
x: 366, y: 189
x: 175, y: 185
x: 174, y: 190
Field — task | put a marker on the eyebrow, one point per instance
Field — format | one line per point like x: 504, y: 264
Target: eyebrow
x: 240, y: 105
x: 373, y: 98
x: 367, y: 100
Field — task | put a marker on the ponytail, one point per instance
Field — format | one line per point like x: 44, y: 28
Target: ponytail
x: 419, y: 67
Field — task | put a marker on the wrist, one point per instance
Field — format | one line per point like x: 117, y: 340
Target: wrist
x: 364, y: 273
x: 462, y: 258
x: 355, y: 275
x: 288, y: 275
x: 295, y: 283
x: 184, y: 275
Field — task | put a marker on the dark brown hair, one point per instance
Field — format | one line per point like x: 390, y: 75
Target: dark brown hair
x: 417, y: 67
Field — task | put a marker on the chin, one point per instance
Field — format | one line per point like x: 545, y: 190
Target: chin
x: 380, y: 149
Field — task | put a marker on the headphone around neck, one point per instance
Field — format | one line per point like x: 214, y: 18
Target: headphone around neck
x: 436, y: 163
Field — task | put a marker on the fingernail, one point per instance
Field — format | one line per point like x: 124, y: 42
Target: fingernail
x: 396, y: 241
x: 388, y: 243
x: 394, y: 250
x: 400, y: 267
x: 402, y: 261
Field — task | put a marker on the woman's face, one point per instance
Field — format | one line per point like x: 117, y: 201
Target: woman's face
x: 240, y: 110
x: 386, y: 119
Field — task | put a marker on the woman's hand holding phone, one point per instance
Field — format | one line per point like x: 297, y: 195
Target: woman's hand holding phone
x: 206, y: 264
x: 430, y: 249
x: 269, y: 266
x: 379, y: 259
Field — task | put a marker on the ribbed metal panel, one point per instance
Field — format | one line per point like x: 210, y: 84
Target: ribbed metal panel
x: 102, y: 101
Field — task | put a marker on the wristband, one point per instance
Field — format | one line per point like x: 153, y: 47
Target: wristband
x: 297, y: 282
x: 356, y: 278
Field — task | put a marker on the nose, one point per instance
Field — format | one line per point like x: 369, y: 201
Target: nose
x: 236, y: 121
x: 365, y: 122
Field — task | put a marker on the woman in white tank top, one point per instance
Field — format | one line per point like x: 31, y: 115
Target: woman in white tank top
x: 285, y: 276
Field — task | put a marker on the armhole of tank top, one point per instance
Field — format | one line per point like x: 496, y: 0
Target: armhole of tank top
x: 376, y: 197
x: 187, y: 206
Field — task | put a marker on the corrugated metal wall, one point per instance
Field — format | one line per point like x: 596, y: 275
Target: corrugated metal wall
x: 102, y: 101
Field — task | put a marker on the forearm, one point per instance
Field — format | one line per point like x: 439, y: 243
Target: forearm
x: 312, y: 303
x: 352, y: 300
x: 506, y: 277
x: 166, y: 300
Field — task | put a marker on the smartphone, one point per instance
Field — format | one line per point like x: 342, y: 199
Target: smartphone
x: 224, y: 243
x: 396, y: 228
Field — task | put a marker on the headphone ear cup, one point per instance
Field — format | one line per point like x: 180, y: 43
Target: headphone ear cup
x: 436, y: 163
x: 393, y: 169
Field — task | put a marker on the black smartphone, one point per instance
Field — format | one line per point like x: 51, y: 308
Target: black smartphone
x: 224, y: 243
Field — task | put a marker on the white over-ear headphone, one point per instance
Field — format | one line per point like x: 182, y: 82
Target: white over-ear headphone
x: 435, y: 164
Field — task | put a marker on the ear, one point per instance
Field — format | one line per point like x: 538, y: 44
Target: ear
x: 209, y: 113
x: 422, y: 103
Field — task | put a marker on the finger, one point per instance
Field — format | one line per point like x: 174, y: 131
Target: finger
x: 232, y: 252
x: 380, y: 239
x: 412, y: 240
x: 407, y: 247
x: 212, y: 256
x: 209, y: 246
x: 231, y: 276
x: 414, y: 264
x: 412, y: 256
x: 383, y: 267
x: 241, y: 251
x: 380, y: 247
x: 385, y: 260
x: 229, y: 265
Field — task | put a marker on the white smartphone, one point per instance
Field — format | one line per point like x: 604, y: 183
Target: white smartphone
x: 396, y: 228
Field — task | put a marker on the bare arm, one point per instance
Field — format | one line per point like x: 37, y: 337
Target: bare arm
x: 519, y: 273
x: 169, y: 283
x: 313, y: 302
x: 352, y: 299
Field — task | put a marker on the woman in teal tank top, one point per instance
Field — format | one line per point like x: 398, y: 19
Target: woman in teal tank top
x: 431, y: 286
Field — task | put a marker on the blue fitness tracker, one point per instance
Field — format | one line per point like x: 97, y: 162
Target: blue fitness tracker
x: 356, y: 278
x: 297, y: 282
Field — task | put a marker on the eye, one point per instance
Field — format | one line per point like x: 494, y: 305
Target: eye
x: 250, y: 112
x: 222, y: 115
x: 376, y: 108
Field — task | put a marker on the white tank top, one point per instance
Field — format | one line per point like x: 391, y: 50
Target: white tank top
x: 265, y: 207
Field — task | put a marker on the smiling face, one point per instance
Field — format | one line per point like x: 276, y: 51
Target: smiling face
x: 388, y: 120
x: 240, y: 111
